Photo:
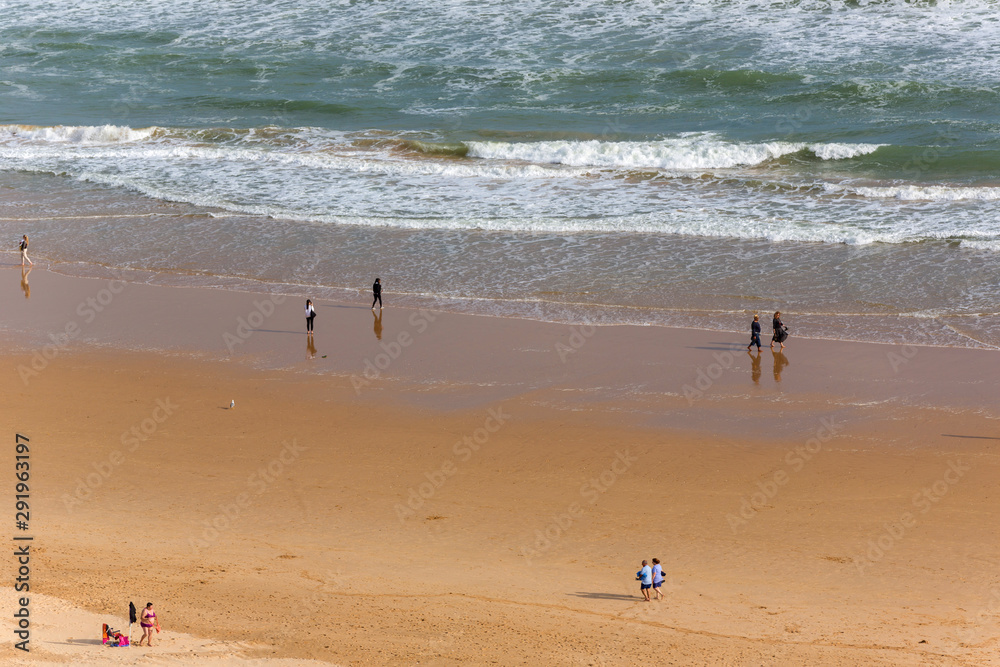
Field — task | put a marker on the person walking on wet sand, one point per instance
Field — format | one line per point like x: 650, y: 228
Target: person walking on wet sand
x: 23, y: 245
x: 645, y: 577
x: 780, y: 331
x: 755, y: 333
x: 377, y: 293
x: 310, y: 316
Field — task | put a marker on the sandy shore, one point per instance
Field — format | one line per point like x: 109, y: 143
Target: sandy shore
x: 483, y: 493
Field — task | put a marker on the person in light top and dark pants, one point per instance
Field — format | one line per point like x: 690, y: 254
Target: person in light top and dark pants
x: 310, y: 315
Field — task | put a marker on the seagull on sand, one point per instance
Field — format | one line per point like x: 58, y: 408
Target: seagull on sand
x: 232, y: 404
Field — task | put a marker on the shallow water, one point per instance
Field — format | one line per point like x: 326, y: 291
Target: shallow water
x: 681, y: 164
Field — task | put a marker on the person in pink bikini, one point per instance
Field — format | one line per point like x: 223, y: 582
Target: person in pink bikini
x: 147, y: 620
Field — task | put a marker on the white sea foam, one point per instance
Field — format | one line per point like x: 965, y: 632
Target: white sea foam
x: 309, y: 174
x: 941, y: 193
x: 697, y: 152
x: 993, y: 246
x: 836, y: 151
x: 69, y: 134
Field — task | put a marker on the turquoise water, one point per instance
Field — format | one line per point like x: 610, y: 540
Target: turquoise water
x: 675, y: 163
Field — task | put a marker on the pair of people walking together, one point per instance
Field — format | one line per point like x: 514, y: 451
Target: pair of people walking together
x: 650, y: 578
x: 779, y: 336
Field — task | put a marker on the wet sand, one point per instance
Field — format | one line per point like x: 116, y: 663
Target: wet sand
x: 485, y: 492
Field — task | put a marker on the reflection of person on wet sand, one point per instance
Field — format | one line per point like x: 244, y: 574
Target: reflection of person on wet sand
x: 378, y: 324
x: 754, y: 366
x: 780, y: 361
x: 310, y: 347
x: 24, y: 282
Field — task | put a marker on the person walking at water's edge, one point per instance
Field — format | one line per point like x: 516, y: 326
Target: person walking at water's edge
x: 755, y: 333
x: 780, y: 331
x: 310, y: 316
x: 23, y: 246
x: 377, y: 293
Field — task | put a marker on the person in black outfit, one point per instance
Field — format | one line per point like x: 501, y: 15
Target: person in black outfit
x: 780, y: 333
x: 755, y: 333
x: 377, y: 293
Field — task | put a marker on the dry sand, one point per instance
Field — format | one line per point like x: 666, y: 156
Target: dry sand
x: 488, y: 497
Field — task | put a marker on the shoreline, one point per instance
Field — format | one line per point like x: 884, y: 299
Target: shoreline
x: 852, y: 311
x: 401, y: 510
x: 642, y: 370
x: 339, y: 295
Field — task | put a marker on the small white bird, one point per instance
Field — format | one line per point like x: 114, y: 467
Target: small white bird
x: 232, y: 404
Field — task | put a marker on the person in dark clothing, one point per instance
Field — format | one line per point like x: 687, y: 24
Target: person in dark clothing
x: 780, y: 331
x: 755, y: 333
x: 377, y: 293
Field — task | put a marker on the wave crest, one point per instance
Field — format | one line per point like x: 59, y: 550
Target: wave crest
x: 77, y: 134
x: 680, y: 153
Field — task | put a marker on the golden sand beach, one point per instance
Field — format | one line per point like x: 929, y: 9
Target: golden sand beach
x: 441, y: 489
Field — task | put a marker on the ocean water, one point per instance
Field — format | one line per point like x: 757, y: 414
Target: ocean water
x: 649, y: 162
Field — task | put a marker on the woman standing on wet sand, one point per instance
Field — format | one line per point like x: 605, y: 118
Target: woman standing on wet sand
x: 23, y: 245
x: 310, y: 316
x: 780, y: 331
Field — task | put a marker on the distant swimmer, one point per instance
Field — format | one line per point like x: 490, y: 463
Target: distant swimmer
x: 377, y: 293
x: 23, y: 245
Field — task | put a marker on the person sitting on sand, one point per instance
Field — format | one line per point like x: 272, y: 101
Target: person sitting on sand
x: 147, y: 620
x: 645, y: 577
